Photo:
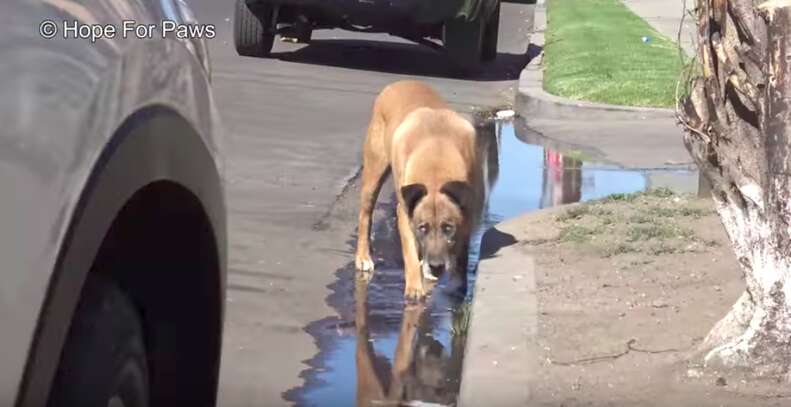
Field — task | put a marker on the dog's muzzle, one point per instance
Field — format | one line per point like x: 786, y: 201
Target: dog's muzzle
x: 432, y: 270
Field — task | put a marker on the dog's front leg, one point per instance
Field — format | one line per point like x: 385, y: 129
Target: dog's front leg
x: 405, y: 351
x: 375, y: 165
x: 413, y: 277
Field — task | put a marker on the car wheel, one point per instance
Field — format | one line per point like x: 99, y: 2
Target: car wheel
x: 253, y: 34
x: 103, y: 363
x: 305, y: 36
x: 490, y: 35
x: 304, y: 30
x: 463, y: 43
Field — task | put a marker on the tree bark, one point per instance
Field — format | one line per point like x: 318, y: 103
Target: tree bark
x: 737, y: 119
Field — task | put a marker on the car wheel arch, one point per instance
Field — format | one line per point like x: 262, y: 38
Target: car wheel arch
x: 155, y: 150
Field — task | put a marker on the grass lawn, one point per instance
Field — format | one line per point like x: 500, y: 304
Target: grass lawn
x: 594, y: 51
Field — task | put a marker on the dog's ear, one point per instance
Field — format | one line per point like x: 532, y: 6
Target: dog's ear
x: 460, y: 193
x: 412, y: 194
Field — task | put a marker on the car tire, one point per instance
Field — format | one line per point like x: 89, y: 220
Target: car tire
x: 463, y: 43
x: 305, y: 36
x: 253, y: 34
x: 490, y: 36
x: 304, y: 30
x: 104, y: 362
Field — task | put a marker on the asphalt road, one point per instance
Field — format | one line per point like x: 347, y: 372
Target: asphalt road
x: 295, y: 125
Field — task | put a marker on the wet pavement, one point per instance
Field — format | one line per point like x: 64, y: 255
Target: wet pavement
x: 377, y: 352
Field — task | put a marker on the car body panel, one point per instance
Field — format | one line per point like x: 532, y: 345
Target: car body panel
x: 174, y: 153
x: 61, y: 103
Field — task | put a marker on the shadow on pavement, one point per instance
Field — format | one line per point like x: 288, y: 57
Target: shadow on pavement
x: 493, y: 240
x: 401, y: 58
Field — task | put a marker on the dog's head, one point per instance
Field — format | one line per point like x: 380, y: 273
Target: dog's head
x: 440, y: 222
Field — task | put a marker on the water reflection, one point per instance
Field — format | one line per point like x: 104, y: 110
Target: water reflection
x: 533, y: 176
x: 379, y: 353
x: 421, y: 364
x: 562, y: 179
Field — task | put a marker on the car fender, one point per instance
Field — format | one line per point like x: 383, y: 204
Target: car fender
x: 150, y: 116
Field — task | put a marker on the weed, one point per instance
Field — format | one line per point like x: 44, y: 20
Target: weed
x: 576, y: 233
x: 620, y: 198
x: 696, y: 213
x: 601, y: 211
x: 618, y: 249
x: 573, y: 213
x: 661, y: 249
x: 662, y: 212
x: 657, y: 231
x: 461, y: 319
x: 662, y: 192
x: 641, y: 218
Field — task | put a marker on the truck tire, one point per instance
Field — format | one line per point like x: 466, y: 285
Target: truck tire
x: 253, y: 34
x: 463, y: 41
x: 490, y: 35
x: 104, y: 359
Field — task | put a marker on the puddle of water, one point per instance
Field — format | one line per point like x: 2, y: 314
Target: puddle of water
x: 377, y: 353
x: 534, y: 177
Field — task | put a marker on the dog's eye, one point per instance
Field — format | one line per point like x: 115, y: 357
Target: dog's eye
x: 447, y: 228
x: 423, y: 229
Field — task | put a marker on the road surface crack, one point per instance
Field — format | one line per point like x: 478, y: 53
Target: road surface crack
x: 596, y: 359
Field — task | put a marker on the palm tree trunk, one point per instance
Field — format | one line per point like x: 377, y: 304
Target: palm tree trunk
x: 737, y: 118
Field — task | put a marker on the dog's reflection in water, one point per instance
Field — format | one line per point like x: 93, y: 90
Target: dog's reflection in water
x: 420, y: 371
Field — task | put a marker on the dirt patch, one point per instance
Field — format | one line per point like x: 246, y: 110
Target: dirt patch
x: 627, y: 287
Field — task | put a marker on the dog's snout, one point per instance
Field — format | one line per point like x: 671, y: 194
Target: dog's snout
x: 437, y: 267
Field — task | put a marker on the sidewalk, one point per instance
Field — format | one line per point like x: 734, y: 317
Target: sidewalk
x: 634, y: 138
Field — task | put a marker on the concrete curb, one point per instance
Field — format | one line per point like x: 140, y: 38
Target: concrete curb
x: 499, y: 357
x: 500, y: 354
x: 533, y: 101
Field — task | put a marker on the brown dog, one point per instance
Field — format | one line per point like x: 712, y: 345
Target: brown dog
x: 436, y: 171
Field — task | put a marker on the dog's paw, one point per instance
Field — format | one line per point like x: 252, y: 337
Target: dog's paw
x: 427, y: 271
x: 414, y: 294
x: 364, y: 263
x: 364, y: 276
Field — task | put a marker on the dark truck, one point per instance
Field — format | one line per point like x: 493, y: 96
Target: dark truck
x: 467, y: 29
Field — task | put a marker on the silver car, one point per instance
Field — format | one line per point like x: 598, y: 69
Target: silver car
x: 112, y: 211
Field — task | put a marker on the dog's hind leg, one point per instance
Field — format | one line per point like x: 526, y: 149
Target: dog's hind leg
x: 369, y: 382
x: 375, y: 167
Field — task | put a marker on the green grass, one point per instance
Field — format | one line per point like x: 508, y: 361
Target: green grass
x: 594, y: 52
x: 573, y: 213
x: 461, y: 319
x: 657, y: 231
x: 653, y: 222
